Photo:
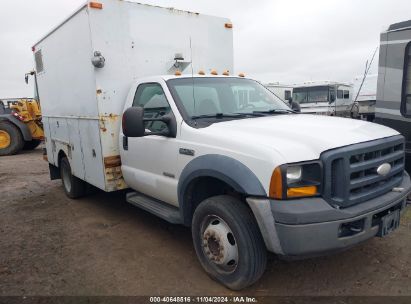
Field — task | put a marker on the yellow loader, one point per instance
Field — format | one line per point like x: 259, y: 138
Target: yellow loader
x: 20, y: 123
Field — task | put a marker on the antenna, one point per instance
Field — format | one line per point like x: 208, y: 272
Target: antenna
x: 367, y: 70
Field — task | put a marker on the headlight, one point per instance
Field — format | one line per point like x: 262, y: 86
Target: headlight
x: 296, y: 181
x: 294, y: 174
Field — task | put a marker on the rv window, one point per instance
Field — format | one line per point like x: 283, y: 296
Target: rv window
x: 339, y: 94
x: 346, y: 94
x: 332, y: 95
x: 300, y: 95
x: 406, y: 84
x: 318, y: 94
x: 287, y: 94
x: 151, y: 97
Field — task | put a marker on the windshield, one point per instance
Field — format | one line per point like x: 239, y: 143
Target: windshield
x: 223, y: 96
x: 311, y: 94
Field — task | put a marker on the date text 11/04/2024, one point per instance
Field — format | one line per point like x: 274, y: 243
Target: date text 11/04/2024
x: 239, y: 299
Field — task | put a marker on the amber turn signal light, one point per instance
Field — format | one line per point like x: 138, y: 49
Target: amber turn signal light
x: 302, y: 192
x: 276, y: 184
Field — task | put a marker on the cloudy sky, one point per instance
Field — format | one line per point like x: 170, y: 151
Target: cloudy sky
x: 274, y: 40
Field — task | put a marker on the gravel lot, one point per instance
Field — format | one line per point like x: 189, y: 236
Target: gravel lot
x: 100, y: 245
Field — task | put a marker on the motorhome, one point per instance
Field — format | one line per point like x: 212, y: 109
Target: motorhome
x: 323, y: 98
x: 393, y: 106
x: 148, y: 102
x: 364, y: 96
x: 283, y: 91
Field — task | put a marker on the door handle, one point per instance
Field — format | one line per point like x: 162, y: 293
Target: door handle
x: 125, y: 143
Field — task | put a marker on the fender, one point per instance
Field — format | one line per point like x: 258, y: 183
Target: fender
x: 20, y: 125
x: 229, y: 170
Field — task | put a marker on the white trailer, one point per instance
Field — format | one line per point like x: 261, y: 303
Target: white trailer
x: 364, y: 96
x: 82, y: 103
x: 282, y: 91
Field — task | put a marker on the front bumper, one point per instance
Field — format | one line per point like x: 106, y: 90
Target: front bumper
x: 309, y: 227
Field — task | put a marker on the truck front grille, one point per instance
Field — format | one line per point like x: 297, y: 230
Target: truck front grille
x: 351, y: 175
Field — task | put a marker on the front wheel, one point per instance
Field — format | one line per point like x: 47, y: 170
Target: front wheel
x: 73, y: 186
x: 11, y: 140
x: 228, y: 242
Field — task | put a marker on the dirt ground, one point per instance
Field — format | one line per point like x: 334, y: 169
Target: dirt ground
x: 100, y: 245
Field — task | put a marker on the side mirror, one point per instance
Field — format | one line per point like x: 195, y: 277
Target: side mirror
x: 295, y: 106
x: 134, y: 123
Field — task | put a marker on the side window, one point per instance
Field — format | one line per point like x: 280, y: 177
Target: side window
x: 346, y: 94
x: 339, y: 94
x: 151, y: 97
x: 406, y: 84
x: 287, y: 94
x: 332, y: 95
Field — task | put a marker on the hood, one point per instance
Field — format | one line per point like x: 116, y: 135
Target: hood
x: 297, y: 137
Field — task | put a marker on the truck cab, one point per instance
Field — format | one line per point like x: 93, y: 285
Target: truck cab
x: 192, y: 153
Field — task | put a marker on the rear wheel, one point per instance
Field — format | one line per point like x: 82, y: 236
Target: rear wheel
x: 31, y: 145
x: 73, y: 186
x: 11, y: 140
x: 228, y: 242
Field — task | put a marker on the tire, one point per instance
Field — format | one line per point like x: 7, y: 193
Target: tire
x: 228, y: 242
x: 31, y: 145
x: 73, y: 186
x: 11, y: 139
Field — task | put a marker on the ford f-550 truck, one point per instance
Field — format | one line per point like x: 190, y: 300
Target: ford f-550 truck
x: 247, y: 175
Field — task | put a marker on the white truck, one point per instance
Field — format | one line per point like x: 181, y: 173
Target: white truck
x: 247, y: 177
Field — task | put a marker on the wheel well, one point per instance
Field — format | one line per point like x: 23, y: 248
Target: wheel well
x: 202, y: 188
x: 60, y: 157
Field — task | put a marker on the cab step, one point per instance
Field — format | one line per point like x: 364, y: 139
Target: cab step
x: 167, y: 212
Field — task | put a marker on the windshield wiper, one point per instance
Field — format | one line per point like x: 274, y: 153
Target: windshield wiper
x: 218, y: 115
x: 275, y: 111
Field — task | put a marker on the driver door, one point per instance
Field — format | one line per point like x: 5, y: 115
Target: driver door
x: 149, y: 162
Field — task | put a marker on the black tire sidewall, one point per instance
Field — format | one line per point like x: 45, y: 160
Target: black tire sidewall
x: 31, y: 145
x: 239, y: 219
x: 65, y: 166
x: 16, y: 139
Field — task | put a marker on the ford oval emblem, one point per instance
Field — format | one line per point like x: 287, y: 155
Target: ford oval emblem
x: 384, y: 169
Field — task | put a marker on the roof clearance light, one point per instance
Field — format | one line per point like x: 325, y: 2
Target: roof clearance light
x: 241, y: 75
x: 214, y: 72
x: 96, y: 5
x: 201, y: 72
x: 226, y: 73
x: 228, y: 25
x: 177, y: 73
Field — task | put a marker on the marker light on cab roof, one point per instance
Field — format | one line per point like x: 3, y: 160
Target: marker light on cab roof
x: 214, y: 72
x: 96, y: 5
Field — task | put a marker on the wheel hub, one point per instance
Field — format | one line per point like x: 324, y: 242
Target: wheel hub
x: 5, y: 140
x: 219, y: 244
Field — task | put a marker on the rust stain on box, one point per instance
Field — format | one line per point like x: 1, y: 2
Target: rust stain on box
x: 112, y: 161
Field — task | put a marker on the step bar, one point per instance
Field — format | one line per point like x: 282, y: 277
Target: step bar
x: 165, y: 211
